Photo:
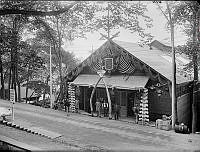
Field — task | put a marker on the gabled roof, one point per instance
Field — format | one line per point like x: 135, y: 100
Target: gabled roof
x: 160, y: 46
x: 152, y: 60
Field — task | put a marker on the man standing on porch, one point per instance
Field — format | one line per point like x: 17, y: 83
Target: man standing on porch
x: 116, y: 111
x: 136, y: 112
x: 98, y: 108
x: 105, y: 108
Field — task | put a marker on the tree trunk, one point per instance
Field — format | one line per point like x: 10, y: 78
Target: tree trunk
x: 60, y: 59
x: 15, y: 63
x: 15, y: 70
x: 61, y: 82
x: 174, y: 99
x: 44, y: 94
x: 14, y: 60
x: 27, y: 81
x: 19, y: 91
x: 10, y: 80
x: 195, y: 68
x: 2, y: 80
x: 17, y: 80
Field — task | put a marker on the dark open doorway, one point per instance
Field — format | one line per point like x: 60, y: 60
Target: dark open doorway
x: 130, y: 103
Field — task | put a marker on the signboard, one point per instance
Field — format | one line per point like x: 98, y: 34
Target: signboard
x: 12, y: 95
x: 12, y: 100
x: 108, y: 63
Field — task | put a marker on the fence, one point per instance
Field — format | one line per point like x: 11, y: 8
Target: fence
x: 185, y: 97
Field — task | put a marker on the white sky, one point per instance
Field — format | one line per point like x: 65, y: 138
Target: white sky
x: 82, y: 47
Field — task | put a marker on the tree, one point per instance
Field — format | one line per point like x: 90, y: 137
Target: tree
x: 40, y: 42
x: 30, y: 63
x: 169, y: 15
x: 21, y: 11
x: 188, y: 14
x: 29, y: 12
x: 123, y: 14
x: 69, y: 26
x: 4, y: 56
x: 15, y: 23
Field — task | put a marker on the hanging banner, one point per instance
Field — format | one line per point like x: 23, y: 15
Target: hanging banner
x: 71, y: 96
x: 12, y: 95
x: 144, y: 110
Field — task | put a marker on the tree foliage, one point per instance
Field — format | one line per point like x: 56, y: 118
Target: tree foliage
x: 28, y: 8
x: 187, y: 14
x: 129, y: 15
x: 25, y: 60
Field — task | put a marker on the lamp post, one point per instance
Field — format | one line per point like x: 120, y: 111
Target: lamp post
x: 51, y: 98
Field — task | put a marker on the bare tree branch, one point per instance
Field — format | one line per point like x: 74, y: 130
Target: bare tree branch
x: 163, y: 12
x: 35, y: 12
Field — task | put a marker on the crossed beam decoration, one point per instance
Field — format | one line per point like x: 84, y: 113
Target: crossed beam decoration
x: 108, y: 37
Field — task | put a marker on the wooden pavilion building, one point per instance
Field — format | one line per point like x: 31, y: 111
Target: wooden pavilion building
x: 130, y: 70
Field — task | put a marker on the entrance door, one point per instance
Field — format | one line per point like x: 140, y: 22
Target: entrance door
x: 130, y: 103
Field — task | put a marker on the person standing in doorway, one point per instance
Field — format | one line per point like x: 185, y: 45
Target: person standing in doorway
x: 68, y: 105
x: 98, y: 108
x: 116, y: 111
x: 136, y: 112
x: 105, y: 108
x: 77, y: 106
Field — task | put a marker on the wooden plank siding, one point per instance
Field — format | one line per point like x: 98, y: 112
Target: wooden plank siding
x: 198, y: 110
x: 123, y: 103
x: 159, y: 105
x: 183, y: 109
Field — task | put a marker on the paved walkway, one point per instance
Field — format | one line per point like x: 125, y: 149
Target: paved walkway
x: 86, y: 132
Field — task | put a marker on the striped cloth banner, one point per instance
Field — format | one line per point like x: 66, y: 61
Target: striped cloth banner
x: 125, y: 65
x: 96, y: 66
